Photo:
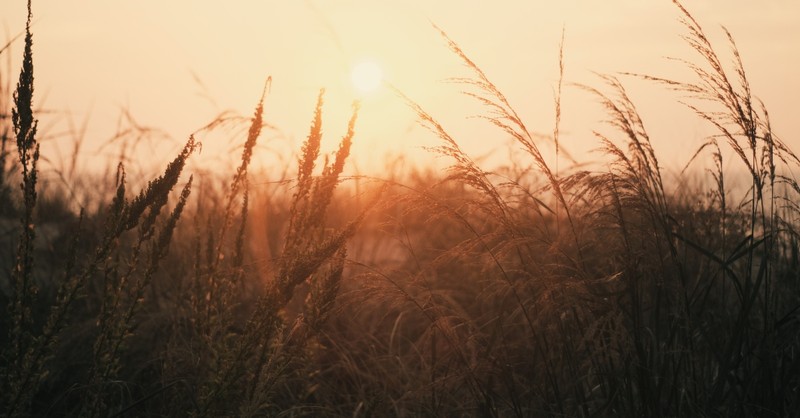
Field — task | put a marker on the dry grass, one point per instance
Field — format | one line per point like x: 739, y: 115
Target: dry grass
x: 542, y: 289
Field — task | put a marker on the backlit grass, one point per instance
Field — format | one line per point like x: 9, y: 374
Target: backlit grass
x: 540, y: 289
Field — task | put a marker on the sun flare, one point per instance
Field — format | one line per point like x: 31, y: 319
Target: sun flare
x: 367, y: 76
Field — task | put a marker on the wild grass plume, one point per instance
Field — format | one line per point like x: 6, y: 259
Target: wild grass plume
x: 546, y: 287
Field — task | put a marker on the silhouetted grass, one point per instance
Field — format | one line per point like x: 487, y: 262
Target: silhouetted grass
x: 541, y: 289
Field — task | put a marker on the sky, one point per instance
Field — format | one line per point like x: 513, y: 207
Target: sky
x: 175, y: 65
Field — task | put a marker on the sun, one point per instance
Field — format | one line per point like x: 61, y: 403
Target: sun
x: 366, y: 76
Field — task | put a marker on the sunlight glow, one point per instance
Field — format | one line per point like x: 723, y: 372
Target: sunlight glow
x: 366, y: 76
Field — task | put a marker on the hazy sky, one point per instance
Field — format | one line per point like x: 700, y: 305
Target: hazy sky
x: 176, y: 64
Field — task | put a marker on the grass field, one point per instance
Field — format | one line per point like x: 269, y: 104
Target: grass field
x: 544, y: 288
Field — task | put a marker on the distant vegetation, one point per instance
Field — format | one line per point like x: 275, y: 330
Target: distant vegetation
x: 537, y: 290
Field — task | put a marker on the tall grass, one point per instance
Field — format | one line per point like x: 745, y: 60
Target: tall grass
x: 649, y: 303
x: 107, y: 294
x: 540, y: 289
